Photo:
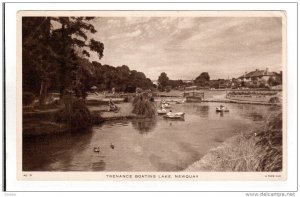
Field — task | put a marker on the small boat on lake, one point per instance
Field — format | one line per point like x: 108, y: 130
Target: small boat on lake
x: 161, y: 111
x: 222, y: 109
x: 165, y: 105
x: 97, y: 149
x: 171, y: 115
x: 180, y: 102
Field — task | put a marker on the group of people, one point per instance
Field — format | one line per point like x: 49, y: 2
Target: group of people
x: 164, y: 105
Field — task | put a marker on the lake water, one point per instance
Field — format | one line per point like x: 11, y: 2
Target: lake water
x: 144, y: 145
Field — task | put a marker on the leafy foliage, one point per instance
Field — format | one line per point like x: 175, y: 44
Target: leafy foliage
x: 27, y: 98
x: 274, y: 81
x: 143, y: 107
x: 121, y: 78
x: 75, y: 113
x: 51, y: 55
x: 97, y: 47
x: 163, y: 81
x: 38, y: 56
x: 202, y: 79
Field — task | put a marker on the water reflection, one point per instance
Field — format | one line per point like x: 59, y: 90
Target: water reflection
x: 38, y: 151
x: 117, y: 123
x: 203, y: 110
x: 256, y: 116
x: 174, y: 120
x: 98, y: 166
x: 256, y: 112
x: 221, y: 114
x: 144, y: 125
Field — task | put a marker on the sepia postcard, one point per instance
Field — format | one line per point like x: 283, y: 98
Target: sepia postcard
x: 151, y: 95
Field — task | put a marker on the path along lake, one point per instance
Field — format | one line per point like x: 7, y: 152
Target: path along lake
x: 144, y: 145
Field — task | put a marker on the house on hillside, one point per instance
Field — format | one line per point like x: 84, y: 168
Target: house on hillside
x: 260, y: 79
x: 257, y: 76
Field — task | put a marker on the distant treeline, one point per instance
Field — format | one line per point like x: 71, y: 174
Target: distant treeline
x: 121, y: 78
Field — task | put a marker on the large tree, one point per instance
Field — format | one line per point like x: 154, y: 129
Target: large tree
x: 163, y: 81
x: 73, y: 42
x: 123, y: 77
x: 202, y: 79
x: 52, y: 53
x: 38, y: 56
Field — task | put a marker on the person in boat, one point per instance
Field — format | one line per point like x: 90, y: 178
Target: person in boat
x: 169, y: 113
x: 222, y: 107
x: 162, y: 104
x: 112, y: 106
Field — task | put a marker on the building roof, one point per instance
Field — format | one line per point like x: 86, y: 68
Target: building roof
x: 257, y: 73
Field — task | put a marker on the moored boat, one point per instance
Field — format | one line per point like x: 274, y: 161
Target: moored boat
x: 222, y: 109
x: 178, y: 115
x: 180, y: 102
x: 161, y: 111
x: 165, y: 105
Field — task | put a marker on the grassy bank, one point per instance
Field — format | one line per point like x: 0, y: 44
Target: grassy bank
x: 125, y: 112
x: 43, y: 121
x: 260, y: 150
x: 235, y: 154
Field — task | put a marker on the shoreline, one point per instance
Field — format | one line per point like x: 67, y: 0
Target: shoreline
x: 243, y: 102
x: 42, y: 122
x: 228, y: 156
x: 60, y: 128
x: 45, y: 118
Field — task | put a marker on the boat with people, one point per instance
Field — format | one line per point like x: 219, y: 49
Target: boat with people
x: 172, y: 115
x: 222, y: 108
x: 180, y: 102
x: 161, y: 111
x: 164, y: 104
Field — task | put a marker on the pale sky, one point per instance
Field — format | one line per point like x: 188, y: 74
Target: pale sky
x: 184, y: 47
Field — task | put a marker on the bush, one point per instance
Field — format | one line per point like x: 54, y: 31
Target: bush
x: 28, y: 98
x: 75, y: 113
x: 143, y: 107
x: 262, y: 85
x: 274, y: 100
x: 126, y: 99
x: 96, y: 118
x: 168, y: 88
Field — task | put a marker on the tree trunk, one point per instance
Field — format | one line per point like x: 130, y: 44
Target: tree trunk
x: 63, y: 63
x: 43, y: 93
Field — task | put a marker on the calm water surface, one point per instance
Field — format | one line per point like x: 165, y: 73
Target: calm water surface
x: 144, y: 145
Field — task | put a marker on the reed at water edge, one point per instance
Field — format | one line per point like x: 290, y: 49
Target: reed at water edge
x: 143, y: 107
x: 75, y: 113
